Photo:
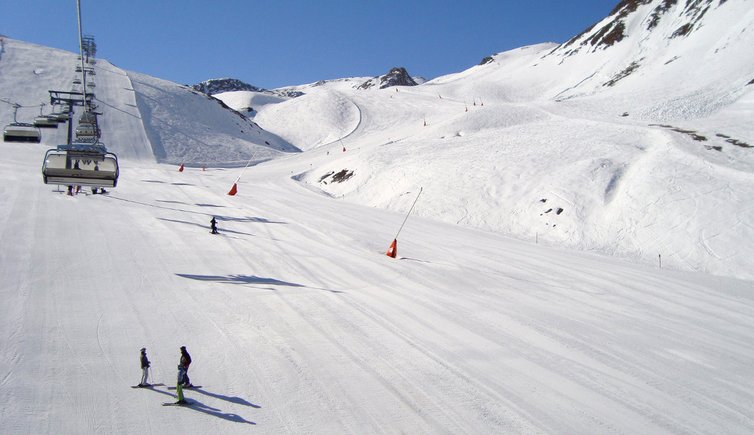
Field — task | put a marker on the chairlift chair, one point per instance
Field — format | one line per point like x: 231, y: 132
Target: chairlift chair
x: 21, y: 132
x: 87, y: 130
x: 46, y: 121
x: 88, y: 117
x: 61, y: 116
x: 81, y: 164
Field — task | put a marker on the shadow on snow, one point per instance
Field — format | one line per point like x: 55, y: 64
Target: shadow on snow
x: 249, y: 279
x: 215, y: 412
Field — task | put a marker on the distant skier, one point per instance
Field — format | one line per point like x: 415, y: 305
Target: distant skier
x: 183, y: 367
x: 144, y: 368
x: 213, y: 225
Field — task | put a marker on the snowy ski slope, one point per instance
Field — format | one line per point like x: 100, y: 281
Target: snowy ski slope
x: 298, y: 322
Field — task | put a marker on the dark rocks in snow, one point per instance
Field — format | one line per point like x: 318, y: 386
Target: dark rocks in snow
x: 693, y: 134
x: 659, y: 11
x: 683, y: 30
x: 557, y: 210
x: 608, y: 35
x: 623, y: 74
x: 397, y: 76
x: 688, y: 15
x: 626, y: 7
x: 287, y: 93
x: 342, y: 176
x: 336, y: 177
x: 217, y: 86
x: 733, y: 141
x: 486, y: 60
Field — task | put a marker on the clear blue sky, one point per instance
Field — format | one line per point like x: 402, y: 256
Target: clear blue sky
x: 276, y: 43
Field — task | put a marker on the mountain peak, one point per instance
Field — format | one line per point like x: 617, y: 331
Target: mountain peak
x: 216, y: 86
x: 397, y: 76
x: 641, y: 15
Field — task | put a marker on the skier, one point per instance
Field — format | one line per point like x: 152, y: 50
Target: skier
x: 179, y: 385
x: 144, y: 367
x: 213, y: 225
x: 183, y: 367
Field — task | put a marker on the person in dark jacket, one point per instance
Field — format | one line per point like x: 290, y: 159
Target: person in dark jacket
x: 213, y: 225
x: 144, y: 368
x: 183, y: 367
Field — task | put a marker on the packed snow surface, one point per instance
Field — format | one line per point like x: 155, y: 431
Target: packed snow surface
x: 488, y: 320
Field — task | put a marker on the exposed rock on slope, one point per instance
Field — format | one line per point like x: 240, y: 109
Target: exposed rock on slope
x: 216, y: 86
x: 686, y: 14
x: 397, y: 76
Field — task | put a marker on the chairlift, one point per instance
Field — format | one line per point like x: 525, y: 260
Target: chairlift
x: 46, y: 121
x: 77, y: 81
x: 90, y: 85
x: 61, y: 115
x: 88, y: 117
x: 81, y: 164
x: 87, y: 130
x: 21, y: 132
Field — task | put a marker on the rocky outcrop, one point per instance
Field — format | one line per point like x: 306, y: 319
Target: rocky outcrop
x: 397, y: 76
x: 216, y: 86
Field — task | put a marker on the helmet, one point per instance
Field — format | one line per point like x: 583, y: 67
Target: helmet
x: 183, y: 347
x: 143, y: 349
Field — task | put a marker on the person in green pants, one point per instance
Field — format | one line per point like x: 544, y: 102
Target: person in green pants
x: 179, y: 387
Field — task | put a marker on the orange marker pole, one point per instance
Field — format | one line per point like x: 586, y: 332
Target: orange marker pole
x: 393, y: 249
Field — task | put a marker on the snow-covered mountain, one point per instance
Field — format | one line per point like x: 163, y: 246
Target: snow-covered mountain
x: 639, y: 133
x: 397, y: 76
x: 488, y: 321
x: 585, y: 144
x: 216, y: 86
x: 143, y: 117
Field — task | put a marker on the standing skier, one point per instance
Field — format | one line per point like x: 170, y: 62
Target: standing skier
x: 179, y: 385
x: 144, y: 368
x: 213, y: 225
x: 183, y: 367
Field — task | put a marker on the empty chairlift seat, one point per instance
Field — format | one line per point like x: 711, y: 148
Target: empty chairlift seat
x: 86, y: 130
x: 21, y: 132
x: 46, y: 121
x: 81, y: 165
